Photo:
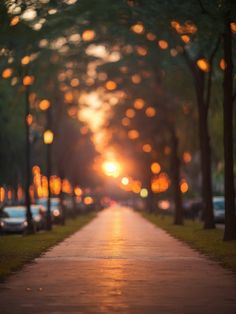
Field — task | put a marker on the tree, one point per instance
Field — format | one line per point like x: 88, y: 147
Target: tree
x: 230, y: 218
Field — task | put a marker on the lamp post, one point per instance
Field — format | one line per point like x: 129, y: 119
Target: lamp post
x: 27, y: 82
x: 48, y: 139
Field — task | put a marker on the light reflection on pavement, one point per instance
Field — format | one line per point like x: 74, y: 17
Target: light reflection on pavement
x: 120, y: 263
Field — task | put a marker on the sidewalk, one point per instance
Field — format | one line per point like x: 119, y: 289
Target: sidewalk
x: 120, y: 263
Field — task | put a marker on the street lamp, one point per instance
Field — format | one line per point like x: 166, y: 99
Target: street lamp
x: 27, y: 82
x: 48, y: 139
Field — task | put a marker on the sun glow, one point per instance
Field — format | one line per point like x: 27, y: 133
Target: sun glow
x: 111, y: 168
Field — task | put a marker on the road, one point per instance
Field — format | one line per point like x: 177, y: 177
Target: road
x: 120, y: 263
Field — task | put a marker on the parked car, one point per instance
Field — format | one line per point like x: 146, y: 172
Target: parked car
x: 69, y: 206
x: 13, y: 219
x: 192, y: 208
x: 39, y: 216
x: 56, y: 208
x: 219, y: 209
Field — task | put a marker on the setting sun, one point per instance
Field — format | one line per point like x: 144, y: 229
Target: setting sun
x: 111, y: 168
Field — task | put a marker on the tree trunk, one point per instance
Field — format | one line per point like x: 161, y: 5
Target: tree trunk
x: 150, y: 200
x: 204, y: 138
x: 175, y: 171
x: 230, y: 219
x: 205, y: 148
x: 205, y: 151
x: 30, y: 226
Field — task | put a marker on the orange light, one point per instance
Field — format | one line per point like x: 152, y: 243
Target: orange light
x: 136, y: 186
x: 9, y: 194
x: 28, y: 80
x: 111, y: 168
x: 139, y: 103
x: 7, y: 73
x: 155, y: 167
x: 66, y: 186
x: 88, y: 200
x: 163, y: 44
x: 78, y: 191
x: 233, y: 27
x: 188, y: 27
x: 25, y: 60
x: 142, y: 51
x: 31, y: 192
x: 136, y: 78
x: 84, y: 130
x: 184, y: 186
x: 187, y: 157
x: 125, y: 121
x: 20, y: 192
x: 29, y: 119
x: 160, y: 183
x: 222, y: 64
x: 2, y: 194
x: 133, y: 134
x: 147, y: 148
x: 88, y: 35
x: 203, y: 65
x: 175, y: 24
x: 151, y: 36
x: 43, y: 190
x: 138, y: 28
x: 164, y: 204
x: 36, y: 170
x: 55, y: 185
x: 150, y: 112
x: 68, y: 97
x: 185, y: 39
x: 130, y: 113
x: 74, y: 82
x: 127, y: 186
x: 48, y: 137
x: 15, y: 20
x: 110, y: 85
x: 44, y: 104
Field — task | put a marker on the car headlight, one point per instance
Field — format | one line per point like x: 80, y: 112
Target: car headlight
x: 56, y: 213
x: 37, y: 218
x: 2, y: 223
x: 25, y: 223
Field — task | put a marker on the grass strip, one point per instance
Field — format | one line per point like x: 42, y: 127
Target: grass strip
x: 16, y: 250
x: 208, y: 242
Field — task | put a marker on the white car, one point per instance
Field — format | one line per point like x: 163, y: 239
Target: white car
x: 56, y: 209
x: 13, y: 219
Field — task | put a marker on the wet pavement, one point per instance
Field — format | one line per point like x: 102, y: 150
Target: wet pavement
x: 120, y: 263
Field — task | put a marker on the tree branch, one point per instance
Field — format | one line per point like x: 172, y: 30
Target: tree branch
x: 198, y: 76
x: 204, y: 11
x: 190, y: 63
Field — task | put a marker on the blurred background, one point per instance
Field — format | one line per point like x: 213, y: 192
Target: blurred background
x: 128, y: 101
